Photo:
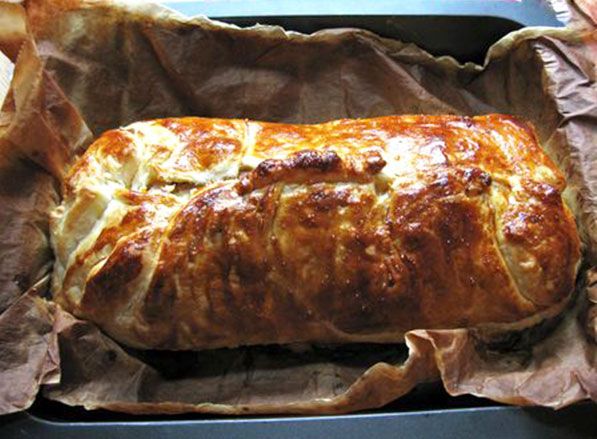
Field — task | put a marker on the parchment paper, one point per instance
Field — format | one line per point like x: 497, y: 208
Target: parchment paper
x: 86, y: 66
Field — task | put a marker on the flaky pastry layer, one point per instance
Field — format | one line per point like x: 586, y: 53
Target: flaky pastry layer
x: 194, y: 233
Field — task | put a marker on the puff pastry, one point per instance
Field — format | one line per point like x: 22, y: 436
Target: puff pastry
x: 196, y: 233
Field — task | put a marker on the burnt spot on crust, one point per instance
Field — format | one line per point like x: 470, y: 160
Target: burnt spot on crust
x: 301, y: 166
x: 374, y: 163
x: 451, y: 181
x: 322, y: 199
x: 477, y: 181
x: 310, y: 166
x: 546, y: 193
x: 468, y: 121
x: 325, y: 161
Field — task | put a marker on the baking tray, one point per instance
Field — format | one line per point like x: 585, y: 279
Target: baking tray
x: 426, y: 412
x: 463, y: 29
x: 460, y: 28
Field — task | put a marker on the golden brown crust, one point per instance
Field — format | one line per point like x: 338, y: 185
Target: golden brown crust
x: 200, y: 233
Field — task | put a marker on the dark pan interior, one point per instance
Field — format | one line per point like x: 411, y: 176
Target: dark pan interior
x: 466, y: 38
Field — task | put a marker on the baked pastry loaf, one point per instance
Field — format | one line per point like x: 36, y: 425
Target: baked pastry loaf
x: 195, y: 233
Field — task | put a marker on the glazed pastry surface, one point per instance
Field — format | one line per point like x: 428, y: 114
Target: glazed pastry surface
x: 195, y: 233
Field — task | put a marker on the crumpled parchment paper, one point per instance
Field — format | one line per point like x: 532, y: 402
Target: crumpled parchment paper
x: 83, y: 66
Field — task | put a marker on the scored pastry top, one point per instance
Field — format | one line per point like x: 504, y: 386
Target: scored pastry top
x: 195, y: 233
